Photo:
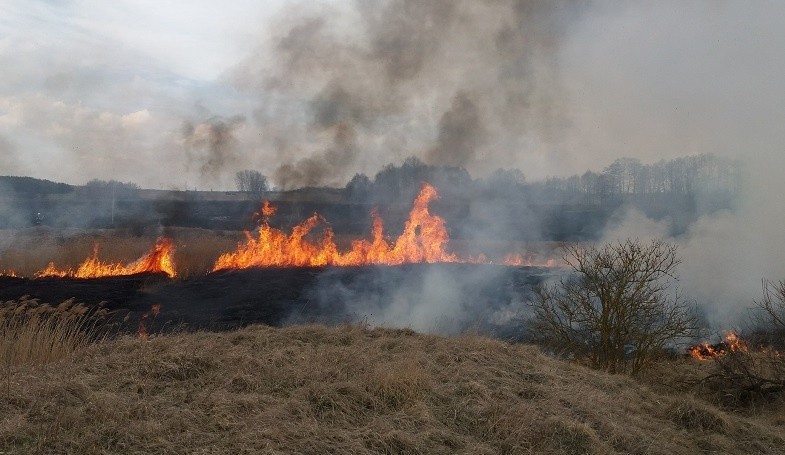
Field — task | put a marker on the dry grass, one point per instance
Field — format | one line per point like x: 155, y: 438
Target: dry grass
x: 28, y: 251
x: 32, y: 333
x: 311, y: 389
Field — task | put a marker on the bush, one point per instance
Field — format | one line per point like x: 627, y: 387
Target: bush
x: 614, y: 310
x: 752, y: 375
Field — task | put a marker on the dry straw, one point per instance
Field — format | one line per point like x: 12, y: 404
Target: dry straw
x: 32, y: 333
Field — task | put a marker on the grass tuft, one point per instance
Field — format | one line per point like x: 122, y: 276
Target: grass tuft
x: 690, y: 415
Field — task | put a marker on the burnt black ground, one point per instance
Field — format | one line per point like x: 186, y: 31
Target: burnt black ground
x: 224, y: 300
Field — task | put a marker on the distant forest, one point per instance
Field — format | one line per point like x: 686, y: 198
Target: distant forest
x: 29, y: 185
x: 625, y: 180
x: 502, y: 205
x: 562, y: 208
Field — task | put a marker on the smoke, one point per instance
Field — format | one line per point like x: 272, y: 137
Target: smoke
x: 387, y: 70
x: 631, y: 223
x: 322, y: 167
x: 662, y: 80
x: 211, y: 145
x: 448, y: 299
x: 8, y: 160
x: 460, y: 134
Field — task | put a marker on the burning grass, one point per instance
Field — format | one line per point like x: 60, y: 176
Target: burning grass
x: 157, y: 260
x: 424, y: 240
x: 350, y: 389
x: 30, y: 251
x: 706, y: 351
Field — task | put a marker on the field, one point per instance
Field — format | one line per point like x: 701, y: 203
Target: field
x: 67, y: 385
x: 352, y: 389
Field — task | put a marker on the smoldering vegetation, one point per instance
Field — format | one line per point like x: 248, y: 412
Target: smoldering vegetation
x: 433, y: 298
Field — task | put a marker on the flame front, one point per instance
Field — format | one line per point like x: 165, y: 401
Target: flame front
x: 157, y: 260
x: 424, y: 239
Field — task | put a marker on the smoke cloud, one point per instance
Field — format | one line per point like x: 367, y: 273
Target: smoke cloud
x: 658, y: 81
x: 387, y: 70
x: 211, y: 145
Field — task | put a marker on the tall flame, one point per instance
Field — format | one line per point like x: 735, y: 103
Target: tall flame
x: 424, y: 239
x: 157, y: 260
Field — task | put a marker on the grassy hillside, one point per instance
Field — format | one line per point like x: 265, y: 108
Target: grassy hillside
x: 311, y: 389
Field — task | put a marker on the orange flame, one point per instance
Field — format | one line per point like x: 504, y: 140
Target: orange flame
x: 142, y: 333
x: 424, y: 240
x: 706, y: 351
x: 8, y: 273
x: 158, y: 260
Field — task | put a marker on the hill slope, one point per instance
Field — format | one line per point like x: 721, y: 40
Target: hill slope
x: 311, y: 389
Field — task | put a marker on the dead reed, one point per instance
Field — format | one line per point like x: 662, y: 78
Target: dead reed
x: 32, y: 333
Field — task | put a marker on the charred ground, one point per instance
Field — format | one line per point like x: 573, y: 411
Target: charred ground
x: 490, y: 296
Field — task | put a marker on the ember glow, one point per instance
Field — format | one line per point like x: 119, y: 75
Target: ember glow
x: 706, y: 351
x: 424, y: 240
x: 157, y: 260
x: 141, y: 332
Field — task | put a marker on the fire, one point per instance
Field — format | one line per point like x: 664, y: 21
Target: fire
x: 424, y: 240
x: 706, y: 351
x: 157, y: 260
x: 517, y: 260
x: 142, y: 333
x: 8, y: 273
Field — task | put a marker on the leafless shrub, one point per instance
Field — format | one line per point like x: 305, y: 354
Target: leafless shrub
x: 614, y: 311
x: 755, y: 375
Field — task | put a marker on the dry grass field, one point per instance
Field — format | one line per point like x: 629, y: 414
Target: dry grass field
x: 354, y: 390
x: 66, y: 387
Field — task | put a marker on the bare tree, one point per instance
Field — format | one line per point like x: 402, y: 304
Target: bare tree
x: 251, y: 181
x: 615, y: 310
x: 773, y: 304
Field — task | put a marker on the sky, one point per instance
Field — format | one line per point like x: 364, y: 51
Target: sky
x: 183, y: 94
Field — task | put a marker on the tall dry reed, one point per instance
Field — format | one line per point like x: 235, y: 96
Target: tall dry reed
x: 34, y: 333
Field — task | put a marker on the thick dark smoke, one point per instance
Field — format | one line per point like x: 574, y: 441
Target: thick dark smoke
x: 460, y: 134
x: 436, y: 79
x: 211, y: 145
x: 320, y: 168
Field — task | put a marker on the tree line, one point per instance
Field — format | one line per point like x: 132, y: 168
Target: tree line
x: 624, y: 180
